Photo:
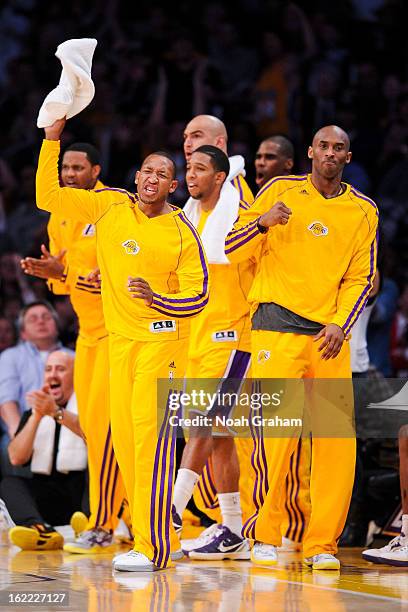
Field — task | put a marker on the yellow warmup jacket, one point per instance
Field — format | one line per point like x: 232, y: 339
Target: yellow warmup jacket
x: 166, y: 251
x: 245, y: 193
x: 321, y: 264
x: 226, y: 317
x: 79, y: 239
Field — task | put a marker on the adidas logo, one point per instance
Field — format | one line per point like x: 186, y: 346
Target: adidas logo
x: 303, y: 192
x: 172, y: 364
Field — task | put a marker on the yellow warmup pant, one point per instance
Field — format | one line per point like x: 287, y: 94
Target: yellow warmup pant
x: 144, y: 438
x: 297, y: 492
x: 285, y: 356
x: 91, y: 383
x: 222, y: 362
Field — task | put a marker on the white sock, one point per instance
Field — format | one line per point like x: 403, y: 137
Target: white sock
x: 230, y: 506
x: 404, y: 528
x: 183, y: 489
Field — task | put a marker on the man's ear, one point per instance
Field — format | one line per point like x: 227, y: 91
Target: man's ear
x: 173, y: 186
x: 95, y: 171
x: 137, y: 176
x: 349, y: 156
x: 220, y: 177
x: 288, y: 165
x: 310, y: 153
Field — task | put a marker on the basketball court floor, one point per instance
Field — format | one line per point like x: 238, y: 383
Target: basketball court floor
x: 225, y: 586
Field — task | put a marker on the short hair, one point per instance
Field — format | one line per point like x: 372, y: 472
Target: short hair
x: 219, y: 160
x: 90, y: 151
x: 26, y: 308
x: 167, y: 156
x: 286, y: 147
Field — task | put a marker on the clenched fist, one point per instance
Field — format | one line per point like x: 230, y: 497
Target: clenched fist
x: 279, y: 214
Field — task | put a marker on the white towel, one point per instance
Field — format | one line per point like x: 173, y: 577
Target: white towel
x: 75, y: 89
x: 222, y: 218
x: 71, y: 454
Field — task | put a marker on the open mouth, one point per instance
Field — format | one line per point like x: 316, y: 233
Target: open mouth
x: 260, y: 177
x: 150, y: 190
x: 55, y: 387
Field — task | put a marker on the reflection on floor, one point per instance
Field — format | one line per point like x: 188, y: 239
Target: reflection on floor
x: 203, y: 586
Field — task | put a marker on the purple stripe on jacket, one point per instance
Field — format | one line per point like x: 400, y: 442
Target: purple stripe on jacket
x: 357, y: 309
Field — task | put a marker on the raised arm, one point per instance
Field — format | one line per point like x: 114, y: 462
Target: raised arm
x: 80, y: 204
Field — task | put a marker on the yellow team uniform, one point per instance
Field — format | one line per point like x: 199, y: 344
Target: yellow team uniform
x: 319, y: 266
x: 245, y: 194
x: 220, y: 348
x: 145, y: 342
x: 297, y: 493
x: 91, y: 373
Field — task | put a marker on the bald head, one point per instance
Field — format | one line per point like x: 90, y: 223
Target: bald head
x: 204, y: 130
x: 59, y: 376
x: 332, y: 133
x: 329, y: 152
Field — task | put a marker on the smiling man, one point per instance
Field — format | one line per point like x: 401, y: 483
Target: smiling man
x: 48, y: 438
x: 315, y: 241
x: 219, y: 349
x: 155, y: 277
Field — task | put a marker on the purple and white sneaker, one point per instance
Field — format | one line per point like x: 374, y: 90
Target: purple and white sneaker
x: 176, y: 518
x: 222, y: 545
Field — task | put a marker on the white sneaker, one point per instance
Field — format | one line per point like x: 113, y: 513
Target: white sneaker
x: 376, y: 555
x: 224, y: 544
x: 264, y: 554
x: 398, y: 557
x: 177, y: 555
x: 322, y: 561
x: 203, y: 539
x: 289, y: 545
x: 6, y: 522
x: 134, y: 561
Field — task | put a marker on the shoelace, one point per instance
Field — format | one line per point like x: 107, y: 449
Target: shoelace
x: 94, y: 536
x: 397, y: 541
x: 135, y: 554
x: 323, y: 557
x: 208, y: 534
x: 265, y: 549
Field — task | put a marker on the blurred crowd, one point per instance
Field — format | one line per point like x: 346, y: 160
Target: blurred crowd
x: 266, y: 67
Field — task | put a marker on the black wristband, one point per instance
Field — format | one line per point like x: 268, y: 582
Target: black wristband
x: 261, y: 228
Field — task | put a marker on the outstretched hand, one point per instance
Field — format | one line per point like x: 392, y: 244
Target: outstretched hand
x: 46, y: 267
x: 54, y: 131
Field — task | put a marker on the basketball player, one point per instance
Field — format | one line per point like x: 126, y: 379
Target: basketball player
x: 314, y: 274
x: 274, y: 157
x: 209, y: 130
x: 219, y: 348
x: 155, y: 277
x: 71, y: 258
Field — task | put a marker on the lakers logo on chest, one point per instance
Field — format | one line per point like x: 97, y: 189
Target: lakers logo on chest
x: 318, y: 229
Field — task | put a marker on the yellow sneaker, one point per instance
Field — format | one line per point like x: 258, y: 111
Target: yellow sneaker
x: 264, y: 554
x: 36, y: 537
x: 92, y: 541
x: 78, y: 522
x: 323, y: 561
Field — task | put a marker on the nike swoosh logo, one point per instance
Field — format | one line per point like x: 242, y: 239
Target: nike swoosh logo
x: 230, y: 548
